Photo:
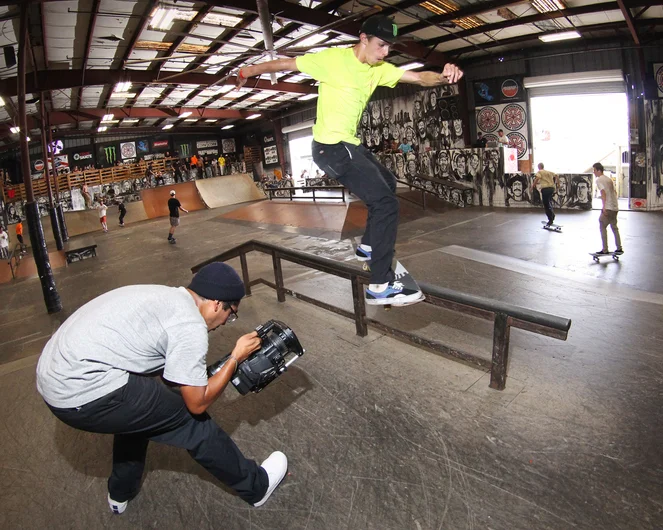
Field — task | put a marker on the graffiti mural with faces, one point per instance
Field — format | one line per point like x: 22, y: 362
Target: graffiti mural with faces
x: 652, y: 163
x: 427, y: 120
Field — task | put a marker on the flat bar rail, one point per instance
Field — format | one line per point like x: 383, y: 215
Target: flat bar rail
x: 504, y: 315
x: 275, y: 193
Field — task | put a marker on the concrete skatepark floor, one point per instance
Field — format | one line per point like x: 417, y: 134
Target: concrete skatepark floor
x: 379, y: 434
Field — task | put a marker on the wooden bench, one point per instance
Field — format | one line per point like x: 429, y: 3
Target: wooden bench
x: 80, y: 248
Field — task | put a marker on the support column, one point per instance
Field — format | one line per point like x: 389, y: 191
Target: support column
x: 55, y: 221
x: 58, y: 205
x: 39, y: 250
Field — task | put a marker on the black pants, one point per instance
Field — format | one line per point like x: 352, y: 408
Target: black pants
x: 122, y: 214
x: 546, y: 197
x: 145, y: 409
x: 357, y: 169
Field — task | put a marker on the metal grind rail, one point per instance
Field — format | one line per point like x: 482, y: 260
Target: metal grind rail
x: 504, y: 315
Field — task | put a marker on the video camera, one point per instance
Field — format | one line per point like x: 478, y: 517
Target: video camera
x: 267, y: 363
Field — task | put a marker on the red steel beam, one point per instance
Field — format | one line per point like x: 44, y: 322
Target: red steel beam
x: 64, y: 79
x: 629, y: 21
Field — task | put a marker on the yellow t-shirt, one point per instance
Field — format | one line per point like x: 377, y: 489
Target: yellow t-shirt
x: 546, y: 178
x: 346, y: 85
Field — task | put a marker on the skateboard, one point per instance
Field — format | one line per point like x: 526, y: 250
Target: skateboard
x: 597, y: 257
x: 553, y: 227
x: 402, y: 275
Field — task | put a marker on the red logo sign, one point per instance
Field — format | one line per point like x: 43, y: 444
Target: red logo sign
x: 39, y: 165
x: 160, y: 143
x: 510, y: 88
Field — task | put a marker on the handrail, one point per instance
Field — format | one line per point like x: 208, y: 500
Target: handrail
x: 272, y: 191
x: 15, y: 258
x: 504, y: 315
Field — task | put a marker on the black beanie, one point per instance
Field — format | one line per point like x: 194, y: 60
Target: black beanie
x: 218, y: 281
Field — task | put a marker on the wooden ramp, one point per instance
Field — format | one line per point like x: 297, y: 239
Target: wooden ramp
x: 155, y: 200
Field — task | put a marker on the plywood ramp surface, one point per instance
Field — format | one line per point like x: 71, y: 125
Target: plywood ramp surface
x: 155, y: 200
x: 229, y: 189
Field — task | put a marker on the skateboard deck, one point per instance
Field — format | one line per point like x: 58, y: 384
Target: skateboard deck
x: 597, y: 257
x: 402, y: 275
x: 553, y: 227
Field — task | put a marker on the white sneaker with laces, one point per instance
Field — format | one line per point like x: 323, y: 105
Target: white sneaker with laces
x: 276, y: 466
x: 117, y: 507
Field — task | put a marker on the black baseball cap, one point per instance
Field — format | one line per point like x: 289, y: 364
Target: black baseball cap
x: 382, y: 27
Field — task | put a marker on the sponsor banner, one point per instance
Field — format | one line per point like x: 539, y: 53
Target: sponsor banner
x: 228, y: 145
x: 268, y: 139
x: 38, y: 165
x: 205, y: 152
x: 107, y: 154
x: 184, y: 150
x: 160, y: 144
x: 142, y: 146
x: 82, y: 157
x: 658, y: 78
x: 155, y: 156
x: 128, y: 150
x: 498, y: 90
x: 204, y: 144
x: 271, y: 155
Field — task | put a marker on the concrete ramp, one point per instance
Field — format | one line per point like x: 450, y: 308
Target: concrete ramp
x: 229, y: 189
x: 155, y: 200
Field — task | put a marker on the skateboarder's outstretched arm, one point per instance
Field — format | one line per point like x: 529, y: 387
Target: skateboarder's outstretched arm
x: 278, y: 65
x: 450, y: 75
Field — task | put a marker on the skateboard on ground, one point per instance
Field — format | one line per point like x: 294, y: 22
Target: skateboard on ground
x: 597, y: 257
x: 553, y: 227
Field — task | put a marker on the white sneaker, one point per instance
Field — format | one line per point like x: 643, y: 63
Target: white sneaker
x: 117, y: 507
x: 276, y: 466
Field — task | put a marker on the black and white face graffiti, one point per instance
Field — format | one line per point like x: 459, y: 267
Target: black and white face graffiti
x: 376, y: 137
x: 460, y: 166
x: 409, y: 135
x: 421, y: 129
x: 445, y: 129
x: 388, y: 111
x: 395, y: 132
x: 562, y: 189
x: 443, y: 162
x: 456, y: 197
x: 375, y: 114
x: 412, y: 167
x: 417, y: 108
x: 582, y: 192
x: 364, y: 119
x: 424, y: 163
x: 458, y: 127
x: 433, y: 128
x: 432, y: 100
x: 385, y: 132
x: 494, y: 157
x: 400, y: 165
x: 474, y: 164
x: 388, y: 163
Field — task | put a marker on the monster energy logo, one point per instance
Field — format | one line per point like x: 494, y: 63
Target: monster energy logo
x: 184, y: 150
x: 110, y: 154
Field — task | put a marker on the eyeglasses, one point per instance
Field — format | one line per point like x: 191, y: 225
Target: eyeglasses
x: 232, y: 316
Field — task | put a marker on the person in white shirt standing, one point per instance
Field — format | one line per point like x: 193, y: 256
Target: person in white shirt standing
x: 4, y: 243
x: 102, y: 215
x: 609, y: 211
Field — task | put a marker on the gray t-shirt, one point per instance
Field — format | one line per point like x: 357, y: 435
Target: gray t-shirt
x: 136, y: 329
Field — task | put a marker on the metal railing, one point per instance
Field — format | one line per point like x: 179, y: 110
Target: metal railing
x: 505, y: 316
x: 15, y: 257
x: 288, y: 192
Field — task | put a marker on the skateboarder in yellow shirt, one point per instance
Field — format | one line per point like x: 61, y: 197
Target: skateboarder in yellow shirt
x: 348, y: 77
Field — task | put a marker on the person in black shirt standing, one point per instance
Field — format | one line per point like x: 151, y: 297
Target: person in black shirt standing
x: 174, y: 208
x: 123, y: 211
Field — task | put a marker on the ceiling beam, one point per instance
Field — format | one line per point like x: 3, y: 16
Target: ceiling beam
x: 469, y: 11
x: 88, y: 44
x: 64, y: 79
x: 144, y: 20
x: 629, y: 21
x: 539, y: 17
x: 318, y: 17
x: 535, y: 36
